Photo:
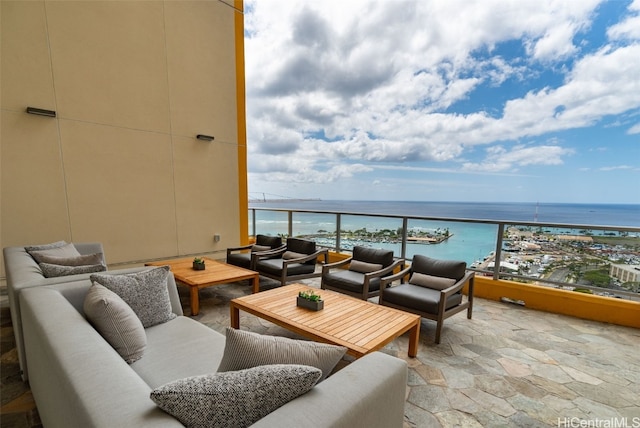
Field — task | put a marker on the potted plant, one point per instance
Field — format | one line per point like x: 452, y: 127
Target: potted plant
x: 310, y: 300
x: 198, y: 263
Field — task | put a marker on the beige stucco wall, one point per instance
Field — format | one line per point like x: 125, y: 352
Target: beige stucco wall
x: 132, y: 83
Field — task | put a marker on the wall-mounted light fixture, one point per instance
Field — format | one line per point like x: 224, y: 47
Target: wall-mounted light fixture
x: 41, y: 112
x: 205, y: 137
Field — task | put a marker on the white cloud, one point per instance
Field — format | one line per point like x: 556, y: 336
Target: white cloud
x: 635, y: 129
x: 385, y: 82
x: 628, y: 28
x: 501, y: 159
x: 615, y: 168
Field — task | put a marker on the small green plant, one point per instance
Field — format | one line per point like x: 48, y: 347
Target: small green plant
x: 310, y: 295
x: 198, y: 261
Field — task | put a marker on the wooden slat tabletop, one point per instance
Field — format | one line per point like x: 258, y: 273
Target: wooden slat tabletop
x: 360, y: 326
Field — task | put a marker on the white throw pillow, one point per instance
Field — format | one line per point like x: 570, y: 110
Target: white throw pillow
x: 234, y: 399
x: 116, y: 322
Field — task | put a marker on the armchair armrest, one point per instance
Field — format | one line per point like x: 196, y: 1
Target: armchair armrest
x: 458, y: 285
x: 334, y: 265
x: 387, y: 280
x: 311, y: 256
x: 381, y: 272
x: 269, y: 253
x: 376, y: 274
x: 244, y: 247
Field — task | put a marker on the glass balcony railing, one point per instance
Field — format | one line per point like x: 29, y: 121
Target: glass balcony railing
x: 594, y: 259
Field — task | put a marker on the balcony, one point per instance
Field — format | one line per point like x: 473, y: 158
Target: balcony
x: 550, y: 267
x: 530, y: 356
x: 507, y: 366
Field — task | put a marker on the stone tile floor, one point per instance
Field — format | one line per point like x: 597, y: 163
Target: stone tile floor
x: 508, y: 366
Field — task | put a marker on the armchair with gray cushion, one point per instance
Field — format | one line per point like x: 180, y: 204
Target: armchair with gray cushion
x: 434, y: 290
x: 241, y: 256
x: 362, y: 278
x: 296, y: 260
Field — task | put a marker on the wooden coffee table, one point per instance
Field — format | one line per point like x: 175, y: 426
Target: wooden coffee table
x: 215, y: 273
x: 360, y: 326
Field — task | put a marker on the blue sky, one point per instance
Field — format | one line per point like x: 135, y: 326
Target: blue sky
x: 457, y: 100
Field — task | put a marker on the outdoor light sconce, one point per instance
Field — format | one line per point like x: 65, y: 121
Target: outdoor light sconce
x: 41, y: 112
x: 205, y: 137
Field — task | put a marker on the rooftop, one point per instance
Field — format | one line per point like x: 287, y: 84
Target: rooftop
x: 508, y: 366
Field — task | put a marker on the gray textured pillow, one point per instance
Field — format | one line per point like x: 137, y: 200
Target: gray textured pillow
x: 244, y: 349
x: 430, y: 281
x: 57, y: 244
x: 116, y: 322
x: 364, y: 267
x: 146, y: 292
x: 255, y: 248
x: 66, y: 251
x: 50, y: 271
x: 82, y: 260
x: 234, y: 399
x: 289, y: 255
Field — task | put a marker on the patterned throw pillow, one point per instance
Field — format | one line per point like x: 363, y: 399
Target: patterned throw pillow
x: 57, y: 244
x: 50, y: 271
x: 244, y: 349
x: 116, y: 322
x: 146, y: 292
x: 234, y: 399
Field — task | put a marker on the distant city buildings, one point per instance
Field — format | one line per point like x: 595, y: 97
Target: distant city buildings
x: 625, y: 273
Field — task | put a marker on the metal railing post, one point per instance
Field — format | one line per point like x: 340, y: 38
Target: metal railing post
x: 338, y: 232
x: 498, y: 252
x: 405, y: 233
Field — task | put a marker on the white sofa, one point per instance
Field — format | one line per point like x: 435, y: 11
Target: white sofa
x: 22, y: 272
x: 79, y: 380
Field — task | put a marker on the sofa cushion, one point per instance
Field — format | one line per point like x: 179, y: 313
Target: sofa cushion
x: 146, y: 292
x: 64, y: 251
x: 419, y: 298
x: 234, y: 399
x: 82, y: 260
x: 54, y: 270
x: 257, y: 248
x: 349, y: 280
x: 364, y: 267
x: 445, y: 268
x: 430, y: 281
x: 373, y: 255
x: 245, y: 349
x: 269, y: 241
x: 302, y: 246
x: 116, y: 322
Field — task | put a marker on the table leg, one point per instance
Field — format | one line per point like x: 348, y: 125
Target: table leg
x: 256, y: 283
x: 414, y: 339
x: 195, y: 300
x: 234, y: 316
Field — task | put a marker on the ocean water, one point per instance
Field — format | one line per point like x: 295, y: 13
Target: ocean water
x: 469, y: 241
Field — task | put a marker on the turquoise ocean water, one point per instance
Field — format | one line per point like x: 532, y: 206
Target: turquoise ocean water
x: 469, y: 241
